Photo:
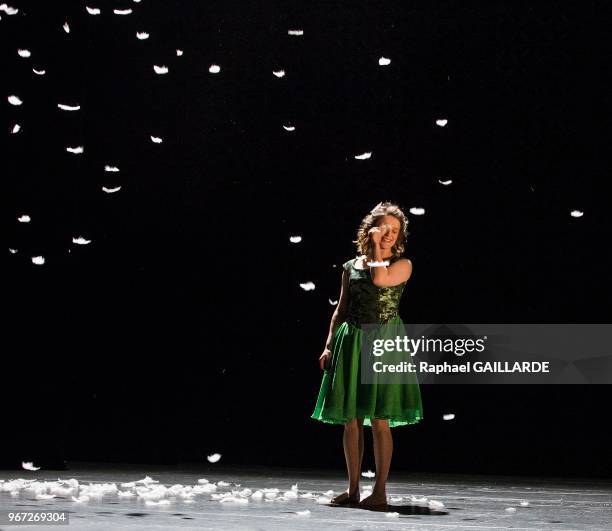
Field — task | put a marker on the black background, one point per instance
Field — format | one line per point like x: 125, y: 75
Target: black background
x: 182, y: 330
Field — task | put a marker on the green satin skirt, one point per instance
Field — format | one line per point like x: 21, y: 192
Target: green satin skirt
x: 342, y: 396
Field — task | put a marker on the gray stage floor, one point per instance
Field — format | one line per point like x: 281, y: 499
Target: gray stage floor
x: 417, y: 501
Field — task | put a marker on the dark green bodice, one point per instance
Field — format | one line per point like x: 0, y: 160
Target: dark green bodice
x: 369, y: 303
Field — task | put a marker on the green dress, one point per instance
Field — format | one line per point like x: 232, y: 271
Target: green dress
x: 342, y: 396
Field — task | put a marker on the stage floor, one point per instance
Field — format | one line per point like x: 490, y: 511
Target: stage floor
x: 469, y: 502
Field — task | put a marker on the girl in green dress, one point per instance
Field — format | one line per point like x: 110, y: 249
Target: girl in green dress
x: 370, y: 293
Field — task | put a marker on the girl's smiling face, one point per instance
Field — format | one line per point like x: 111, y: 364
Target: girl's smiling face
x: 390, y: 236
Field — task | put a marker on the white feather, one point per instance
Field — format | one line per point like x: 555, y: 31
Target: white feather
x: 279, y: 73
x: 179, y: 52
x: 14, y: 100
x: 448, y: 416
x: 419, y: 501
x: 214, y: 69
x: 199, y: 489
x: 98, y: 490
x: 289, y: 127
x: 160, y: 69
x: 296, y: 33
x: 364, y: 156
x: 92, y: 10
x: 235, y: 499
x: 111, y: 168
x: 60, y: 490
x: 445, y: 183
x: 368, y: 474
x: 160, y: 502
x: 295, y: 239
x: 417, y: 211
x: 111, y: 190
x: 213, y: 458
x: 576, y: 213
x: 23, y: 52
x: 142, y: 35
x: 16, y: 129
x: 303, y: 513
x: 147, y: 480
x: 28, y: 465
x: 156, y: 139
x: 392, y: 515
x: 24, y: 219
x: 80, y: 241
x: 66, y: 27
x: 64, y: 107
x: 333, y: 303
x: 510, y: 509
x: 39, y: 72
x: 307, y: 286
x: 122, y: 11
x: 12, y: 251
x: 441, y: 123
x: 384, y: 61
x: 9, y: 10
x: 76, y: 150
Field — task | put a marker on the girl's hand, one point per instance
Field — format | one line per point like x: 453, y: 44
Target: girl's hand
x: 376, y: 233
x: 324, y: 359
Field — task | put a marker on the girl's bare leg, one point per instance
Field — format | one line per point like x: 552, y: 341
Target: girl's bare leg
x: 383, y: 449
x: 352, y: 440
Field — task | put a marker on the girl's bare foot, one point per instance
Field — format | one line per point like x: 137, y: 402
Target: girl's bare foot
x: 376, y: 499
x: 346, y: 498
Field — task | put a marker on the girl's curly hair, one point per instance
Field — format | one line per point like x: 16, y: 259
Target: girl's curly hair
x: 386, y: 208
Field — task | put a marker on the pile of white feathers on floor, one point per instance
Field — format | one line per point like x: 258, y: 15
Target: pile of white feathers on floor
x: 151, y: 492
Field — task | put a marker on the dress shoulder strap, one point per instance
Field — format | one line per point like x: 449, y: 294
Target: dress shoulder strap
x: 348, y: 264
